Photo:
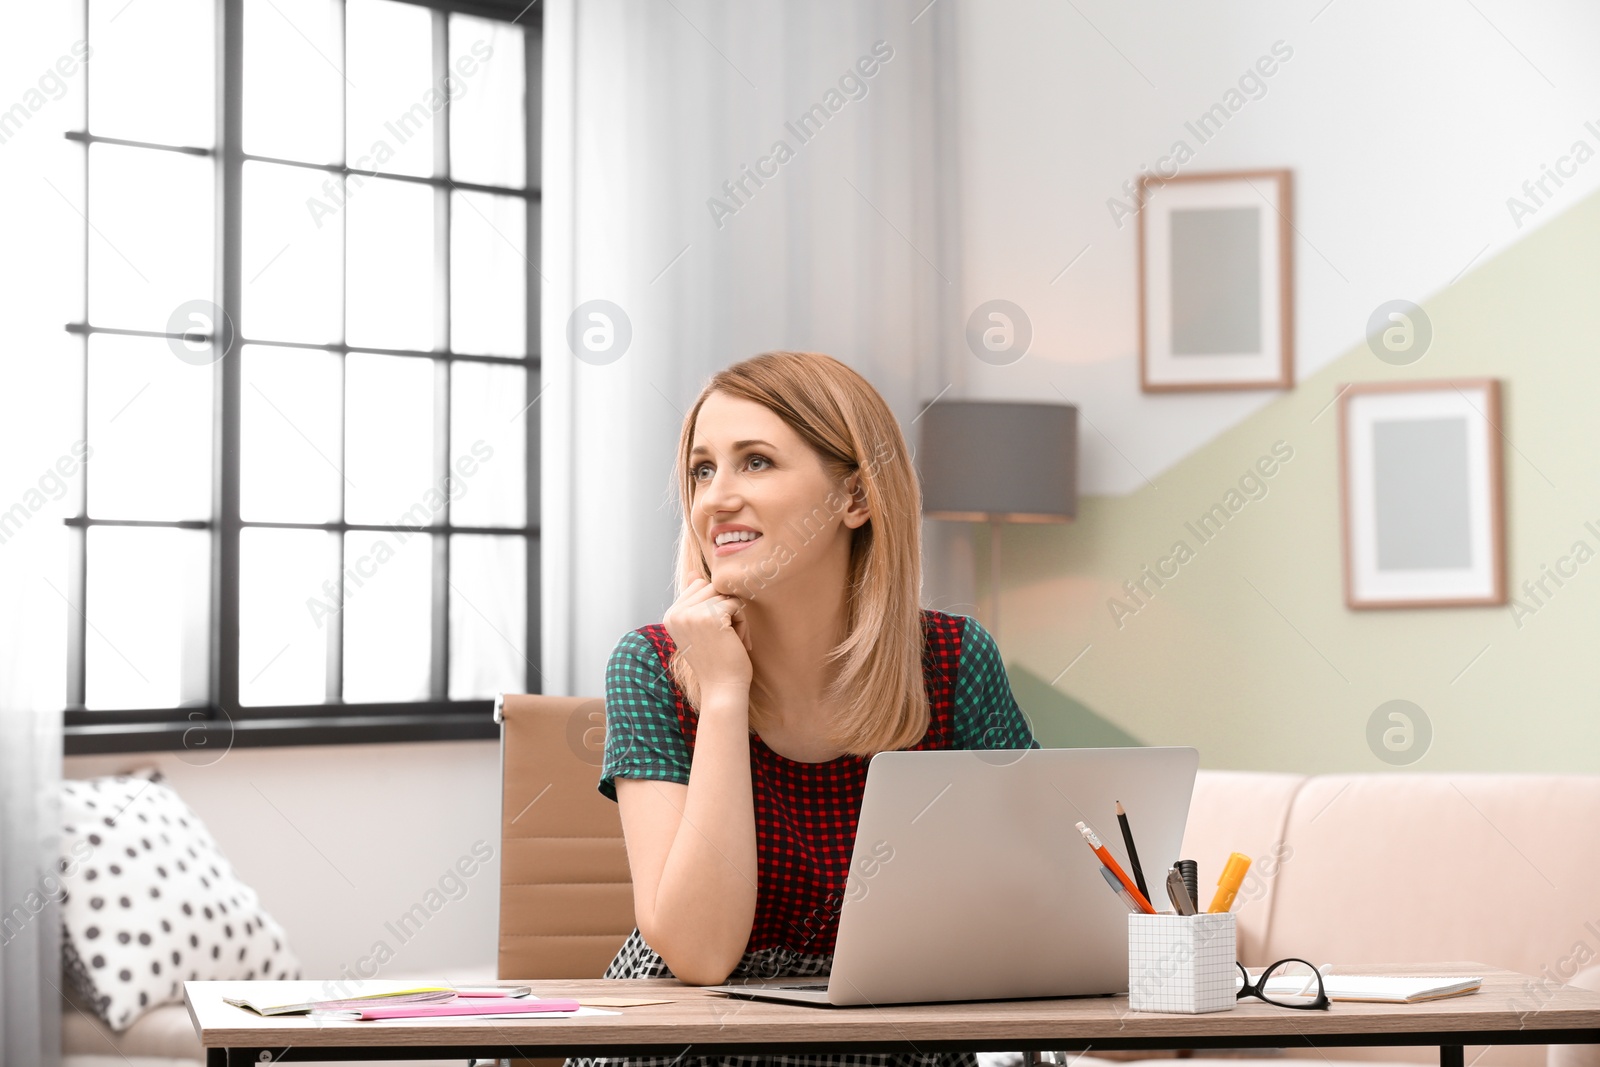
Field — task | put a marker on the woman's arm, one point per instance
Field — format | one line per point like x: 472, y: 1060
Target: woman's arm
x: 692, y: 850
x: 987, y: 714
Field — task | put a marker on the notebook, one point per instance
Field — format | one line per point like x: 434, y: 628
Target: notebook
x: 301, y: 997
x: 1383, y: 989
x: 1398, y: 989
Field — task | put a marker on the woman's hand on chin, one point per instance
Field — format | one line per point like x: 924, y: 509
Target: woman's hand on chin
x: 710, y: 633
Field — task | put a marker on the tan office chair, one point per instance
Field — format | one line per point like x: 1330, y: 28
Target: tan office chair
x: 566, y: 897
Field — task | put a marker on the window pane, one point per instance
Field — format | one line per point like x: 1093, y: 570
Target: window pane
x: 393, y: 103
x: 62, y: 366
x: 69, y: 249
x: 153, y: 71
x: 150, y: 247
x: 288, y: 599
x: 145, y: 600
x: 293, y: 90
x: 488, y: 444
x: 150, y: 428
x: 390, y: 280
x: 487, y: 114
x: 293, y: 251
x: 387, y: 625
x: 289, y: 455
x: 389, y: 448
x: 488, y: 617
x: 488, y: 282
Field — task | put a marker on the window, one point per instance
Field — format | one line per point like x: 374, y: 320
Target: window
x: 309, y: 366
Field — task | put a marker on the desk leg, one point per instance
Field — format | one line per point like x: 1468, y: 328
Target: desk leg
x: 1451, y: 1056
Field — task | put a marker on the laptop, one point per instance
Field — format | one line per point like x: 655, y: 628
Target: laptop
x: 969, y: 879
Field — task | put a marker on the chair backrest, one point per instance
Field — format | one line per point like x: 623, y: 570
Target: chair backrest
x: 566, y: 897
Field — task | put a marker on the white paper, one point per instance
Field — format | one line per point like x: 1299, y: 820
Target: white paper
x: 531, y: 1016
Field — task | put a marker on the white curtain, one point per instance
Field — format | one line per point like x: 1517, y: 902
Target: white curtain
x: 30, y: 766
x: 37, y: 427
x: 33, y: 636
x: 845, y: 246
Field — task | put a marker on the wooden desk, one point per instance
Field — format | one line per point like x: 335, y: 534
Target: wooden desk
x: 698, y: 1022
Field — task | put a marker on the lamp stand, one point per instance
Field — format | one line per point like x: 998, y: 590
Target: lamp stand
x: 994, y: 579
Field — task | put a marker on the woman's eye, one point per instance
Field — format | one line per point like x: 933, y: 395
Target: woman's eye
x: 755, y: 462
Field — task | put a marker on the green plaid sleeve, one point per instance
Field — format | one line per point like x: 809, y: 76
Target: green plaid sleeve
x: 986, y: 714
x: 643, y: 739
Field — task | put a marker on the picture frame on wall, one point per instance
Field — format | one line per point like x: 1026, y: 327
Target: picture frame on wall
x: 1216, y: 281
x: 1423, y: 504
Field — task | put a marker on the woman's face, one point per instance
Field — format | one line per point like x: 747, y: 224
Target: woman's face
x: 764, y: 508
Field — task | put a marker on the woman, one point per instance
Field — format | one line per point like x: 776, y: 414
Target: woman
x: 739, y: 729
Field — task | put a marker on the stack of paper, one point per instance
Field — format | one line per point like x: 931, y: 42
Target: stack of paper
x: 481, y: 1006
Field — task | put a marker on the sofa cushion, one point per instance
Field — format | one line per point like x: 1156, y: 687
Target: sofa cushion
x: 1426, y: 868
x: 1241, y: 811
x: 166, y: 1032
x: 1402, y: 868
x: 152, y: 901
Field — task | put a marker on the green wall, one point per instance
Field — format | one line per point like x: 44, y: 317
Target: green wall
x: 1249, y: 653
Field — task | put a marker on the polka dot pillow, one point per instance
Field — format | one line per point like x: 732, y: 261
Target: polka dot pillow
x: 151, y: 903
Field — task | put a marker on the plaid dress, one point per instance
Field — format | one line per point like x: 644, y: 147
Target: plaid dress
x: 805, y: 813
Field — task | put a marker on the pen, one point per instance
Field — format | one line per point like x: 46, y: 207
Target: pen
x: 1228, y: 884
x: 1182, y: 902
x: 1116, y: 868
x: 1133, y: 853
x: 1116, y: 887
x: 1191, y: 880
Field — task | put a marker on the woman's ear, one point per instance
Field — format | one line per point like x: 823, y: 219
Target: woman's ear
x: 856, y: 513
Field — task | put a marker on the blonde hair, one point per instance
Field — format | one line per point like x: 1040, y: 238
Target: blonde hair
x: 879, y: 683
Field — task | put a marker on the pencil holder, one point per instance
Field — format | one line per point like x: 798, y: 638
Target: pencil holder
x: 1182, y: 963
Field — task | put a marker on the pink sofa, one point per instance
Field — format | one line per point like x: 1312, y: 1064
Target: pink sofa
x: 1500, y: 869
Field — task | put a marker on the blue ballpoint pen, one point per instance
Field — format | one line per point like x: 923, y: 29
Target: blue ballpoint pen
x: 1118, y: 888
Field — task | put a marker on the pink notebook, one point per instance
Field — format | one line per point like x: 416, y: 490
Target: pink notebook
x: 470, y: 1006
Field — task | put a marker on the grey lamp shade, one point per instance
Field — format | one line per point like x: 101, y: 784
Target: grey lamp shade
x: 986, y: 460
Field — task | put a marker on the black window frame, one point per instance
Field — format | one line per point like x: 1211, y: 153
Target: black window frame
x: 207, y: 730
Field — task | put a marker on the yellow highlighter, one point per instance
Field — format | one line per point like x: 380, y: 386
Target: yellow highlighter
x: 1228, y: 885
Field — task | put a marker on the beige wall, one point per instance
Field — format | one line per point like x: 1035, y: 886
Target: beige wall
x: 1249, y: 653
x: 1407, y: 128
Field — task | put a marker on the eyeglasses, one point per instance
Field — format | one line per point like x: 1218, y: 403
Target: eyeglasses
x: 1290, y: 983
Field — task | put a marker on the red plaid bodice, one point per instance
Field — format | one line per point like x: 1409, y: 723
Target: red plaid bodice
x: 805, y: 813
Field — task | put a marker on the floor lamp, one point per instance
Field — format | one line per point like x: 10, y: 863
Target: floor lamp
x: 998, y: 462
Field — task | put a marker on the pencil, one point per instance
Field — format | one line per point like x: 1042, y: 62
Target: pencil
x: 1133, y: 853
x: 1100, y: 850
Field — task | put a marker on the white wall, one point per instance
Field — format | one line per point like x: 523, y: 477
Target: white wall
x: 341, y: 840
x: 1407, y: 127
